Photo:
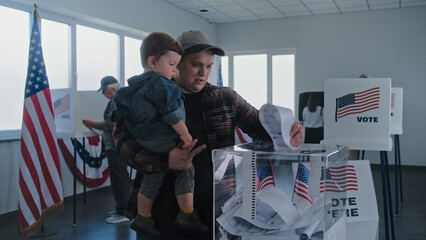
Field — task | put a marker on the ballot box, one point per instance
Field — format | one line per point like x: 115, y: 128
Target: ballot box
x: 263, y: 193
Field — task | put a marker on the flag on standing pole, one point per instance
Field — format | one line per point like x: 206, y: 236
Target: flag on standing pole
x: 40, y: 185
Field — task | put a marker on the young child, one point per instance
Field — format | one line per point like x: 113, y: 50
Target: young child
x: 152, y: 109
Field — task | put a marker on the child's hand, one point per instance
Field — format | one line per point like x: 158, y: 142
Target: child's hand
x: 187, y: 140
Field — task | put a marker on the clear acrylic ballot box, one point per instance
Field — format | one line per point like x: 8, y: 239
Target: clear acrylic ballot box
x: 263, y: 193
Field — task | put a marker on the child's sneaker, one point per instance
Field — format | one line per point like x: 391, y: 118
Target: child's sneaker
x: 144, y: 225
x: 190, y: 221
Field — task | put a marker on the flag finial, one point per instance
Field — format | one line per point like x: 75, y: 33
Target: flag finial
x: 35, y: 5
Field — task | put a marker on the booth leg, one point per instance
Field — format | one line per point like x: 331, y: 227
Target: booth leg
x: 384, y: 190
x: 396, y: 178
x: 84, y: 176
x: 75, y: 184
x: 387, y: 196
x: 399, y: 169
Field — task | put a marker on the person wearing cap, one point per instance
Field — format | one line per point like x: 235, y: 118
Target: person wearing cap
x: 211, y: 116
x: 119, y: 176
x: 153, y: 111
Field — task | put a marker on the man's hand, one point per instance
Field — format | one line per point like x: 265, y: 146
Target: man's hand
x: 88, y: 123
x: 297, y: 134
x: 181, y: 159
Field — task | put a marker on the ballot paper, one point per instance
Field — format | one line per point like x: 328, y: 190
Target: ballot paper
x: 278, y: 122
x: 221, y: 169
x: 270, y: 220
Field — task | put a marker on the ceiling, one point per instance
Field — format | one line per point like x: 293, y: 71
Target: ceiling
x: 225, y: 11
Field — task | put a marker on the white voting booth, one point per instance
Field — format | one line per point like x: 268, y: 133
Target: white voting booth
x: 396, y: 111
x: 396, y: 130
x: 70, y: 108
x: 357, y: 113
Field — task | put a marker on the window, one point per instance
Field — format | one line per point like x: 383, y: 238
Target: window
x: 14, y: 43
x: 250, y: 78
x: 132, y: 59
x: 56, y: 52
x: 283, y: 81
x: 262, y: 78
x: 225, y: 71
x: 97, y: 57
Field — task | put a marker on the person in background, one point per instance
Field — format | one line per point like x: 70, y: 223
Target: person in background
x: 211, y: 116
x: 313, y: 120
x: 153, y: 110
x: 117, y: 168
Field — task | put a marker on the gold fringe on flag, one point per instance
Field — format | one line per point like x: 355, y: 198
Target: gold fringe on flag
x: 35, y: 227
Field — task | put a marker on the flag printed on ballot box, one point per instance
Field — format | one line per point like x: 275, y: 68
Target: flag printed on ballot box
x: 353, y: 106
x: 40, y: 193
x: 265, y: 176
x: 301, y: 189
x: 338, y: 179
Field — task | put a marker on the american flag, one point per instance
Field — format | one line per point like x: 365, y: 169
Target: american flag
x: 338, y: 179
x: 301, y: 185
x: 355, y: 103
x: 265, y: 176
x: 219, y: 78
x: 40, y: 186
x: 62, y: 105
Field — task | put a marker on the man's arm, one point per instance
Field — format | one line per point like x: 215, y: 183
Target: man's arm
x: 137, y: 157
x: 247, y: 118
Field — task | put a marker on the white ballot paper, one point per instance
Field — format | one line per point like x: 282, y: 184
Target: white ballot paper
x: 278, y: 122
x: 221, y: 169
x: 272, y: 212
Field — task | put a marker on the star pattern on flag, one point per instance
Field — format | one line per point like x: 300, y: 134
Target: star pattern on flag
x: 36, y: 78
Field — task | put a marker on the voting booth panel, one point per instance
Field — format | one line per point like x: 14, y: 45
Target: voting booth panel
x: 396, y: 111
x: 71, y: 107
x: 357, y: 113
x: 264, y: 193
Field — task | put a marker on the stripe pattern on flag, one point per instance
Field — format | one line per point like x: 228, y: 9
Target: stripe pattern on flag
x: 301, y: 185
x: 356, y: 103
x: 265, y: 176
x: 40, y: 185
x: 338, y: 179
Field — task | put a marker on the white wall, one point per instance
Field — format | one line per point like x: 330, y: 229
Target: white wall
x: 135, y: 16
x: 382, y: 43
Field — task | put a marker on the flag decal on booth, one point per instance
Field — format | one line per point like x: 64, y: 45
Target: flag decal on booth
x: 358, y: 105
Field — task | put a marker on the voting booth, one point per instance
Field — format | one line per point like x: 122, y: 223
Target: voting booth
x: 357, y: 113
x: 265, y: 193
x: 71, y: 107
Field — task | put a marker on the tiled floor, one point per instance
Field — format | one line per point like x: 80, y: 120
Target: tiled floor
x: 409, y: 225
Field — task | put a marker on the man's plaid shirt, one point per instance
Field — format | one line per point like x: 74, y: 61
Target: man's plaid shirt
x: 223, y: 109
